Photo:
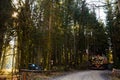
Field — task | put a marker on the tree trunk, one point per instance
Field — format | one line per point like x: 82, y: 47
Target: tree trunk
x: 119, y: 5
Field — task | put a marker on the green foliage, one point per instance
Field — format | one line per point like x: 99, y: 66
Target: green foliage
x: 6, y: 10
x: 113, y: 28
x: 52, y: 36
x: 52, y: 33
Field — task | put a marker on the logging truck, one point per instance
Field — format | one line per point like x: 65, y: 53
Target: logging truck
x: 98, y: 62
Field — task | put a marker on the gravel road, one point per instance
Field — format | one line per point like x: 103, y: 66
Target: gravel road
x: 85, y: 75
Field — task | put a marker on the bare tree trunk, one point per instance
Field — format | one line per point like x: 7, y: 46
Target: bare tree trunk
x: 48, y: 65
x: 3, y: 57
x: 119, y: 4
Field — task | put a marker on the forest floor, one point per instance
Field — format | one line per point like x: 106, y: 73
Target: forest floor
x: 77, y: 75
x: 72, y: 75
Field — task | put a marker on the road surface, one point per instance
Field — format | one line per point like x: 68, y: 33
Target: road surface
x: 85, y: 75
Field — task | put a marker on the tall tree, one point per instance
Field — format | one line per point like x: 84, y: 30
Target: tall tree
x: 115, y: 38
x: 45, y: 29
x: 5, y: 18
x: 24, y: 34
x: 111, y: 29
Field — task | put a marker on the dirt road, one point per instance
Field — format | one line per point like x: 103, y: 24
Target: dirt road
x: 85, y: 75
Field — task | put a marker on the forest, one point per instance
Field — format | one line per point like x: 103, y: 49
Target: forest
x: 57, y: 34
